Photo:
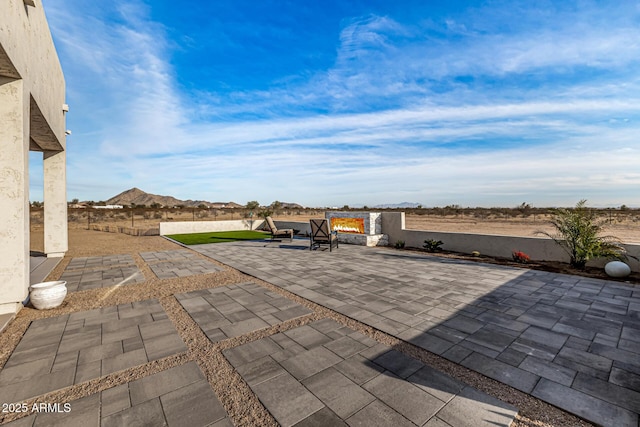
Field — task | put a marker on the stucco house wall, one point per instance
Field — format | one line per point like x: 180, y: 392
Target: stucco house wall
x: 32, y: 118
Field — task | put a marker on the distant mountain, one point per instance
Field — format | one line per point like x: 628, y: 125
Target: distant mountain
x: 398, y: 205
x: 139, y: 197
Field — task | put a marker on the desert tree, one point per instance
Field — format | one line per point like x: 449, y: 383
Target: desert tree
x: 250, y: 207
x: 276, y: 206
x: 265, y: 213
x: 578, y: 232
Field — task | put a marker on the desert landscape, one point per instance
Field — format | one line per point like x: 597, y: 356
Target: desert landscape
x: 139, y: 209
x: 625, y: 225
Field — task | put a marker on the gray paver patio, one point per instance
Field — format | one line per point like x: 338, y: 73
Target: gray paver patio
x: 326, y: 374
x: 84, y: 273
x: 233, y: 310
x: 176, y: 397
x: 178, y: 263
x: 61, y: 351
x: 571, y: 341
x: 174, y: 254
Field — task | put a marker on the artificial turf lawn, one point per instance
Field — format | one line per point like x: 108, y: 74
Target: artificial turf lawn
x: 218, y: 237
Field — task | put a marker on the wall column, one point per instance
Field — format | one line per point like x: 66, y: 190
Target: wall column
x: 14, y: 195
x: 55, y: 203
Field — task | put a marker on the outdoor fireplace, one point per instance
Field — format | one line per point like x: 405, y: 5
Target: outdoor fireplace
x: 359, y: 228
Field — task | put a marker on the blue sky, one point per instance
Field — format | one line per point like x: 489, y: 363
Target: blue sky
x: 330, y: 103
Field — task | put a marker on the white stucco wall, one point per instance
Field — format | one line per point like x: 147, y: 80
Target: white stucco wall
x: 187, y: 227
x: 32, y: 94
x: 538, y: 248
x: 14, y: 185
x: 26, y: 39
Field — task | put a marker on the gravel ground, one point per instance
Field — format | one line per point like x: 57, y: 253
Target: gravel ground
x: 242, y: 405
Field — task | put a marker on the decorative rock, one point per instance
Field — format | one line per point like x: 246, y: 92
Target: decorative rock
x: 617, y: 269
x: 48, y: 294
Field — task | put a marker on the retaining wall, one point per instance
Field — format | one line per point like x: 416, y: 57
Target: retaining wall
x: 538, y: 248
x: 187, y: 227
x: 126, y: 230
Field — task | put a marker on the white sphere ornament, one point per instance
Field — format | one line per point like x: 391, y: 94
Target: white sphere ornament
x: 47, y: 294
x: 617, y: 269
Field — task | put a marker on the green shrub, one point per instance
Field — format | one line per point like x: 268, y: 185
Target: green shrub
x: 432, y: 245
x: 400, y: 244
x: 577, y: 231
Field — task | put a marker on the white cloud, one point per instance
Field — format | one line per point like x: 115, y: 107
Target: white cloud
x: 129, y: 81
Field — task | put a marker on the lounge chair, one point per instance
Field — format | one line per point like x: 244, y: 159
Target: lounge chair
x: 321, y: 235
x: 275, y: 232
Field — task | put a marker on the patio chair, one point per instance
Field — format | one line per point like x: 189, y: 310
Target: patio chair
x: 275, y: 232
x: 322, y: 235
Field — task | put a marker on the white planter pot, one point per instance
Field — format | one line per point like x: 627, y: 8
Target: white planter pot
x: 47, y: 294
x: 617, y: 269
